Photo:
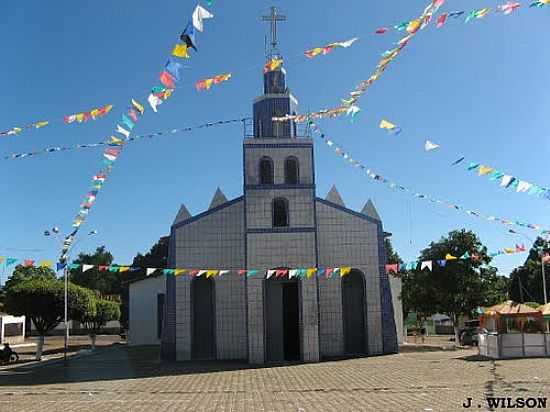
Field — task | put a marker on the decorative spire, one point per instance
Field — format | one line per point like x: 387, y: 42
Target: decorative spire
x: 334, y: 197
x: 218, y: 199
x: 273, y: 18
x: 370, y: 210
x: 182, y: 215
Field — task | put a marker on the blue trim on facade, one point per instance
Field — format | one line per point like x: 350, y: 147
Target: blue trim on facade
x: 279, y: 187
x: 389, y: 330
x: 277, y: 145
x: 349, y: 211
x: 208, y: 212
x: 282, y: 230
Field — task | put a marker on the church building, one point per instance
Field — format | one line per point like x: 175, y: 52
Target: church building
x: 278, y: 222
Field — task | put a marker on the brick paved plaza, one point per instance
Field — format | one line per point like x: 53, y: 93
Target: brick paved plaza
x: 117, y: 378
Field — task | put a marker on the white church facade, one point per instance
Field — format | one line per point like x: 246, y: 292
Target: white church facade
x: 278, y: 222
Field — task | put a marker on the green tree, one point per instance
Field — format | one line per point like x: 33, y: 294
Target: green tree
x: 22, y: 273
x: 41, y: 299
x: 106, y: 311
x: 526, y: 280
x: 104, y: 282
x: 458, y: 287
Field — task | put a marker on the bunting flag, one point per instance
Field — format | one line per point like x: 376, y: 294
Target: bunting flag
x: 429, y: 146
x: 199, y: 15
x: 395, y: 186
x: 311, y: 53
x: 273, y: 64
x: 390, y: 127
x: 509, y: 7
x: 441, y: 20
x: 118, y: 141
x: 508, y: 181
x: 426, y: 265
x: 205, y: 84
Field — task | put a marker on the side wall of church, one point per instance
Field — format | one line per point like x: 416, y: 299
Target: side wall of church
x: 347, y: 238
x: 214, y: 239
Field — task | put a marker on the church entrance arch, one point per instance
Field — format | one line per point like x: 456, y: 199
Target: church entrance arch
x: 202, y: 299
x: 353, y: 312
x: 282, y: 308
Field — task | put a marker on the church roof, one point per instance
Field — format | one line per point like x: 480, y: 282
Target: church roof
x: 218, y: 199
x: 334, y: 196
x: 182, y: 215
x: 370, y: 210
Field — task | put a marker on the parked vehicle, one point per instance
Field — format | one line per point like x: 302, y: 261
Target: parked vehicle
x: 8, y: 355
x: 469, y: 335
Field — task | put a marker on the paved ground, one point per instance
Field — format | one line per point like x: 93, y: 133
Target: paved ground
x: 118, y: 378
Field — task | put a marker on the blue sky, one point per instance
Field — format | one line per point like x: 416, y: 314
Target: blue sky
x: 479, y: 90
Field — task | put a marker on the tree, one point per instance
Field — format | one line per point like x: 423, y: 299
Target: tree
x: 106, y: 311
x: 458, y: 287
x: 157, y: 257
x: 26, y: 272
x: 105, y: 282
x: 41, y: 299
x: 526, y: 280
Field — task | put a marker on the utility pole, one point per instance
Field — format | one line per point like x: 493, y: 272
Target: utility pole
x: 66, y: 341
x: 543, y: 277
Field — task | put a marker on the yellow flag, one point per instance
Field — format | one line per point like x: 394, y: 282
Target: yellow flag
x: 138, y: 106
x: 108, y: 108
x: 180, y: 50
x: 80, y: 117
x: 94, y: 113
x: 310, y: 272
x: 384, y: 124
x: 509, y: 250
x: 178, y: 272
x: 448, y: 256
x: 485, y: 170
x: 345, y: 271
x: 116, y: 140
x: 123, y: 268
x: 38, y: 125
x: 44, y: 263
x: 413, y: 26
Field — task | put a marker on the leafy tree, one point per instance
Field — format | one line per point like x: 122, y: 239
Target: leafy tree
x: 391, y: 255
x: 459, y: 287
x: 104, y: 282
x: 26, y: 272
x: 157, y: 257
x: 526, y: 280
x: 41, y: 299
x: 106, y: 311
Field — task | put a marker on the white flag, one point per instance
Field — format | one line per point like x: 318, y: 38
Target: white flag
x: 348, y: 43
x: 154, y: 101
x: 292, y: 273
x: 123, y: 131
x: 202, y: 272
x: 524, y: 186
x: 223, y: 272
x: 426, y: 264
x: 506, y: 179
x: 429, y: 146
x: 199, y: 14
x: 270, y: 273
x: 150, y: 271
x: 86, y: 267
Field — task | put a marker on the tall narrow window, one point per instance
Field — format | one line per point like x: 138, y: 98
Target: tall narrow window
x: 266, y: 171
x: 291, y: 171
x: 280, y: 212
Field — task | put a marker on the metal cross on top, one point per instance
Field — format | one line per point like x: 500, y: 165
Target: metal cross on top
x: 274, y: 18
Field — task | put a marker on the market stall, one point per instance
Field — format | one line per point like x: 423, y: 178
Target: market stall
x: 513, y: 330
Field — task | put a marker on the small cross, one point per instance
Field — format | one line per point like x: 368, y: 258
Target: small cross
x: 273, y: 19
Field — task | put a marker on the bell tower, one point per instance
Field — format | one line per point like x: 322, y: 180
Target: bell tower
x: 279, y: 179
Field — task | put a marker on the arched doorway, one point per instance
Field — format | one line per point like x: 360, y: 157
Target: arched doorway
x: 353, y: 312
x: 282, y: 308
x: 202, y: 298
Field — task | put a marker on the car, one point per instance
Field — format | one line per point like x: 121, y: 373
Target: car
x: 469, y: 334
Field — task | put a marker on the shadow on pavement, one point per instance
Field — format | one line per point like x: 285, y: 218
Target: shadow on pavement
x: 117, y: 362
